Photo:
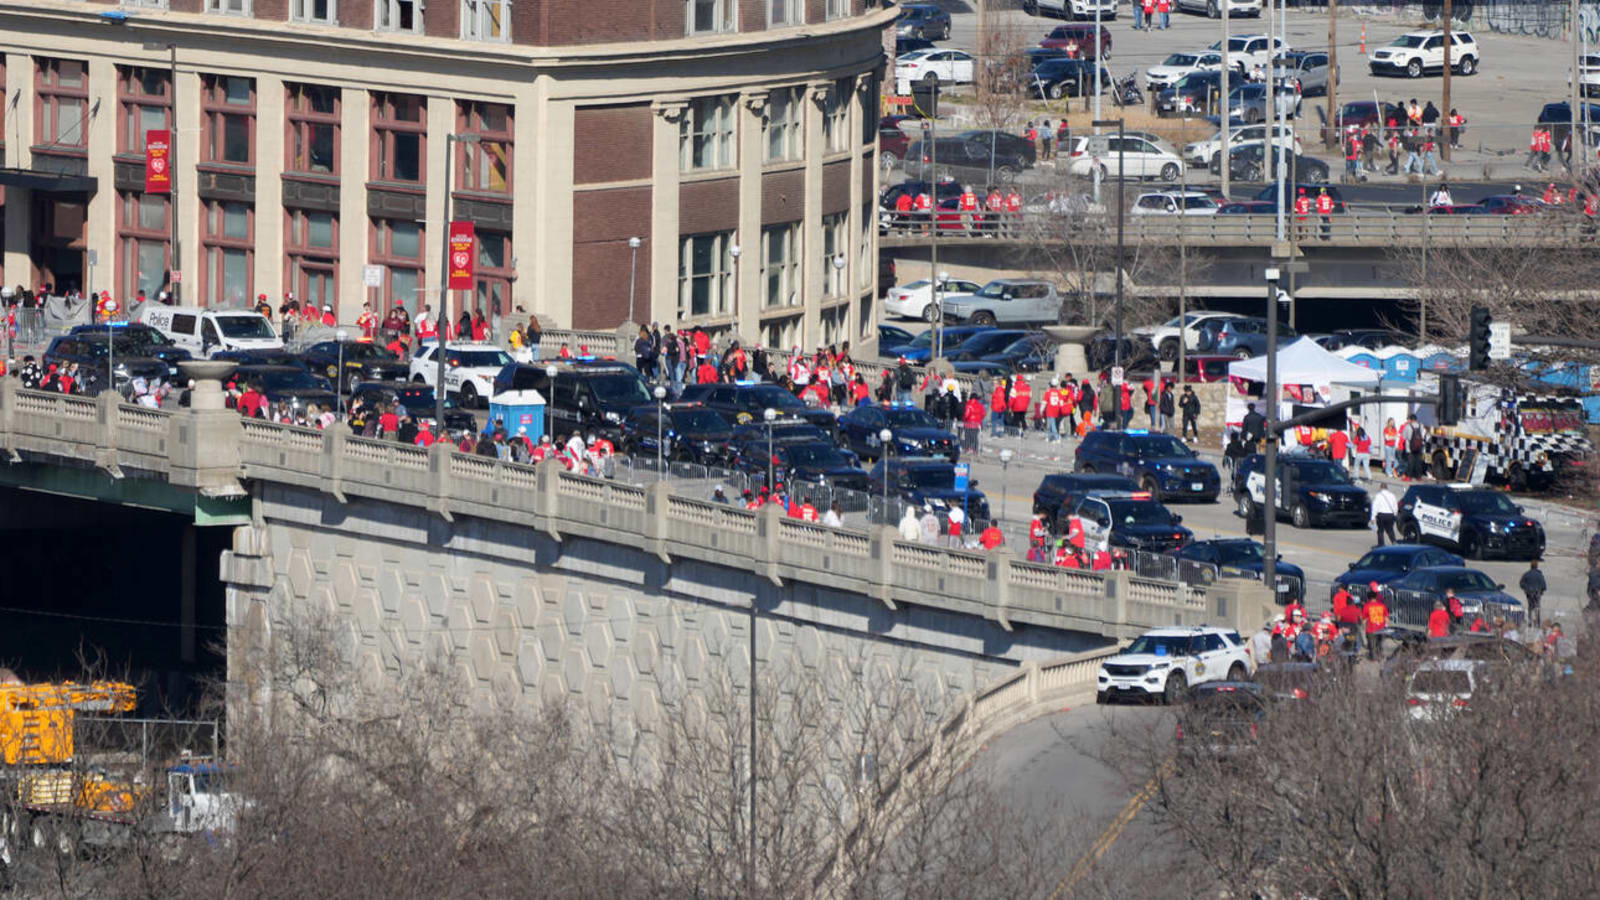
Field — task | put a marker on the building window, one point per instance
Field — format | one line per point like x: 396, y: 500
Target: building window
x: 142, y: 232
x: 399, y: 135
x: 312, y: 256
x: 784, y: 12
x: 227, y: 253
x: 836, y: 117
x: 145, y: 100
x: 705, y: 134
x: 486, y: 165
x: 864, y: 268
x: 705, y: 275
x: 837, y: 9
x: 492, y: 293
x: 869, y: 113
x: 835, y: 238
x: 835, y: 325
x: 397, y: 15
x: 397, y: 247
x: 323, y: 12
x: 486, y: 20
x: 785, y: 125
x: 312, y: 112
x: 228, y: 128
x: 231, y: 7
x: 62, y: 112
x: 780, y: 265
x: 146, y: 4
x: 710, y: 16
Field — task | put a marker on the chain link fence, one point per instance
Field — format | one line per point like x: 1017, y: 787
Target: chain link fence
x: 111, y: 741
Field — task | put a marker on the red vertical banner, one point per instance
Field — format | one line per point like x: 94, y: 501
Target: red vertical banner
x: 461, y: 253
x: 158, y: 161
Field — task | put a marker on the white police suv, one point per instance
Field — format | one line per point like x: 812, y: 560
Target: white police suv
x: 1164, y: 662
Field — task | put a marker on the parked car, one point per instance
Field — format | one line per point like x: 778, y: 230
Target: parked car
x: 1246, y: 51
x: 1367, y: 114
x: 1479, y: 522
x: 1442, y: 688
x: 1058, y: 78
x: 1510, y: 205
x: 1209, y: 151
x: 1192, y: 94
x: 1078, y: 41
x: 135, y: 339
x: 1588, y: 75
x: 923, y: 20
x: 920, y: 350
x: 1269, y: 194
x: 1248, y: 164
x: 742, y: 404
x: 1389, y: 563
x: 1176, y: 65
x: 1006, y: 145
x: 1559, y: 117
x: 1203, y: 562
x: 1077, y: 9
x: 913, y: 433
x: 891, y: 195
x: 936, y: 65
x: 962, y: 159
x: 893, y: 144
x: 416, y: 400
x: 1163, y: 466
x: 1133, y: 156
x: 1418, y: 53
x: 1247, y: 208
x: 1244, y: 338
x: 1033, y: 352
x: 1137, y: 353
x: 1175, y: 203
x: 362, y: 362
x: 1248, y: 103
x: 927, y: 482
x: 1312, y: 492
x: 1308, y: 69
x: 1165, y: 663
x: 915, y: 299
x: 1165, y: 335
x: 1213, y: 8
x: 1014, y: 301
x: 1370, y: 338
x: 688, y: 432
x: 1204, y: 369
x: 469, y: 370
x: 291, y: 386
x: 1058, y: 492
x: 982, y: 343
x: 102, y: 358
x: 1411, y: 598
x: 799, y: 464
x: 904, y: 45
x: 890, y: 338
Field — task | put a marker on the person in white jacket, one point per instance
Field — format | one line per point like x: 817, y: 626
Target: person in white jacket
x: 910, y: 527
x: 1384, y: 508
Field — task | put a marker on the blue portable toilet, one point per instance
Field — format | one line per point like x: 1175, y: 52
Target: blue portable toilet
x: 1443, y: 361
x: 1401, y: 367
x: 1366, y: 358
x: 519, y: 410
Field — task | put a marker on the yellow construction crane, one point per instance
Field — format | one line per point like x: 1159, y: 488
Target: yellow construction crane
x: 36, y: 720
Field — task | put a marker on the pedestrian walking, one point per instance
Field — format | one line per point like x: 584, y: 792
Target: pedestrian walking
x: 1189, y: 405
x: 1168, y: 405
x: 1391, y: 442
x: 1413, y: 448
x: 1376, y: 615
x: 1384, y: 509
x: 1533, y: 588
x: 1361, y: 449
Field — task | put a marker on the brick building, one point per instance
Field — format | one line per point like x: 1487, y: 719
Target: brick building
x: 734, y: 139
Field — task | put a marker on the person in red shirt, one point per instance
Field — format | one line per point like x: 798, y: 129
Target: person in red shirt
x: 1125, y: 405
x: 923, y: 210
x: 1325, y: 209
x: 702, y: 342
x: 1339, y: 446
x: 808, y: 513
x: 1302, y: 209
x: 1052, y: 410
x: 860, y: 393
x: 991, y: 537
x: 902, y: 209
x: 971, y: 423
x: 1020, y: 399
x: 997, y: 408
x: 1438, y: 620
x: 706, y: 374
x: 1376, y: 614
x: 969, y: 207
x: 1037, y: 530
x: 425, y: 436
x: 1013, y: 211
x: 388, y: 423
x: 328, y: 318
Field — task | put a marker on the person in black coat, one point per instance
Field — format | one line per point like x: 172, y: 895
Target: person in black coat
x: 1253, y: 429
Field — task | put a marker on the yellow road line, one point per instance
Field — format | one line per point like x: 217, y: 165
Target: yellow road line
x: 1112, y: 832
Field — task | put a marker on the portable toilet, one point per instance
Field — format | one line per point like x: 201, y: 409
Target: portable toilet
x: 1400, y: 366
x: 519, y: 410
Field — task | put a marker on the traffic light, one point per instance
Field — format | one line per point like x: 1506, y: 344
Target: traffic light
x: 1478, y: 340
x: 1449, y: 398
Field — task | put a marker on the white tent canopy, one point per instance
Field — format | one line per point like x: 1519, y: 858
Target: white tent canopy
x: 1306, y: 362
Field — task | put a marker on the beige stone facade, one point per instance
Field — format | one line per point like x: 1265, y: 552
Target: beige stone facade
x: 307, y: 152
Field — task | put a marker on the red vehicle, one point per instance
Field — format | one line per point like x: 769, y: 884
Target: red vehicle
x: 1203, y: 368
x: 951, y: 218
x: 1457, y: 209
x: 1510, y: 205
x: 892, y: 144
x: 1078, y: 41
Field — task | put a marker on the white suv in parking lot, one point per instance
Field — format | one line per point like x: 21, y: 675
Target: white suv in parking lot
x: 1416, y: 53
x: 1166, y: 662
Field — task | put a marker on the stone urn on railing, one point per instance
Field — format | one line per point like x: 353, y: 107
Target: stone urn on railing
x: 1072, y: 356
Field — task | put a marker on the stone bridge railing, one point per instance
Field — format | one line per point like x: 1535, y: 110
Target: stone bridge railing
x: 996, y: 586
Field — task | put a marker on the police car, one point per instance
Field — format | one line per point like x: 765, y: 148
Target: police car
x: 1129, y: 520
x: 929, y: 482
x: 913, y: 432
x: 469, y: 370
x: 1479, y: 522
x: 1165, y: 662
x: 1161, y: 464
x: 1314, y: 492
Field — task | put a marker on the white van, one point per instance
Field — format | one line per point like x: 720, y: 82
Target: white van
x: 203, y: 332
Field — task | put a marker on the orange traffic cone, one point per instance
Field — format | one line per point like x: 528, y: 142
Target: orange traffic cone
x: 1363, y: 39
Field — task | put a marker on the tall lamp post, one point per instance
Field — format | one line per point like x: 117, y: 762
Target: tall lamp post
x: 768, y: 415
x: 1005, y: 479
x: 633, y: 269
x: 450, y: 140
x: 172, y: 159
x: 661, y: 415
x: 550, y: 393
x: 1122, y: 187
x: 733, y: 302
x: 338, y: 386
x: 884, y: 438
x: 1269, y: 515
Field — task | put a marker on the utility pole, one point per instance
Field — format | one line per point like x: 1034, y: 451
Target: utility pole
x: 933, y: 228
x: 1444, y: 100
x: 1122, y: 187
x: 1579, y: 160
x: 1183, y: 280
x: 1269, y: 512
x: 1333, y: 70
x: 1227, y: 70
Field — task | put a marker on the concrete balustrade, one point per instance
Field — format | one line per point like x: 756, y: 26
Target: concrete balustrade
x: 999, y: 587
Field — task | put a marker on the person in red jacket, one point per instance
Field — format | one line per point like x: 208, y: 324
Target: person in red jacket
x: 997, y: 407
x: 1021, y: 397
x: 1038, y: 532
x: 991, y: 537
x: 1438, y: 620
x: 425, y: 436
x: 1124, y: 405
x: 1338, y: 446
x: 902, y: 210
x: 1376, y: 614
x: 706, y: 373
x: 1052, y: 410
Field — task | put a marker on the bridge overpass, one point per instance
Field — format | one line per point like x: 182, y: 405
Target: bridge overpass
x: 547, y: 584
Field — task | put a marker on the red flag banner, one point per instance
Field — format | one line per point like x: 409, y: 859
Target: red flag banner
x: 461, y: 253
x: 158, y: 161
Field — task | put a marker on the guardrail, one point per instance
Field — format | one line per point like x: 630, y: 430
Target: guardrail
x: 1365, y: 228
x: 997, y: 586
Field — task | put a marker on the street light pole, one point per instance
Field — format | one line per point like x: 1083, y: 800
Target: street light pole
x: 1269, y: 513
x: 172, y: 162
x: 443, y: 318
x: 1005, y: 480
x: 1122, y: 187
x: 549, y: 414
x: 633, y: 268
x: 767, y: 415
x: 338, y: 386
x: 661, y: 415
x: 733, y: 253
x: 884, y: 437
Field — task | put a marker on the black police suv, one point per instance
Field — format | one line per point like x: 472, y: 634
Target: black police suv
x: 289, y: 385
x: 801, y: 463
x: 929, y: 481
x: 1476, y: 521
x: 687, y: 432
x: 1312, y: 492
x: 97, y: 356
x: 1161, y: 464
x: 1201, y: 562
x: 588, y: 396
x: 1389, y: 563
x: 744, y: 404
x: 913, y: 432
x: 416, y: 400
x: 1133, y: 521
x: 1411, y: 598
x: 1057, y: 493
x: 142, y: 340
x: 361, y: 361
